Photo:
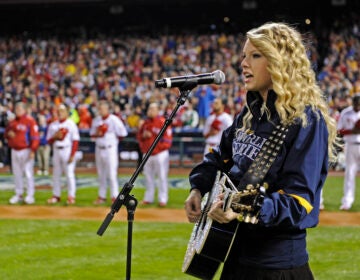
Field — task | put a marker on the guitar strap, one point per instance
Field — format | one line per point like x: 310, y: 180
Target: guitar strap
x: 264, y: 159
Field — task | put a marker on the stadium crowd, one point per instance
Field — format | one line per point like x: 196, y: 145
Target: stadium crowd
x: 45, y: 73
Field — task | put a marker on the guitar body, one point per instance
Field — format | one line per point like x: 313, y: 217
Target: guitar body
x: 199, y: 265
x: 210, y: 241
x: 216, y: 240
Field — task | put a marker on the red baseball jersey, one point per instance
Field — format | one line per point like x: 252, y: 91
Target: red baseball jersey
x: 26, y: 133
x: 154, y: 126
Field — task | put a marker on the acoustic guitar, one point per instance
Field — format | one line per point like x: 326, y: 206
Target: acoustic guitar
x: 210, y: 242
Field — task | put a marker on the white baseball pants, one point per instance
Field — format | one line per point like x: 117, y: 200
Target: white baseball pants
x: 352, y: 155
x: 107, y: 163
x: 22, y: 163
x: 157, y: 167
x: 60, y: 165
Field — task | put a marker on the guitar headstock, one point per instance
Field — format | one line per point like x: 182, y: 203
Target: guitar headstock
x: 248, y: 202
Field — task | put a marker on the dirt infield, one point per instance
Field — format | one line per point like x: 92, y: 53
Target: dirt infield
x: 89, y: 213
x: 141, y: 214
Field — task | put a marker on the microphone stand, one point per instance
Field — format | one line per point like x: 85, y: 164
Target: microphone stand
x: 124, y: 196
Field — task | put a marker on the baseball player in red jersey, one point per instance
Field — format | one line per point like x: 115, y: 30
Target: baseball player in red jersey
x: 63, y: 135
x: 158, y: 162
x: 23, y: 138
x: 107, y: 129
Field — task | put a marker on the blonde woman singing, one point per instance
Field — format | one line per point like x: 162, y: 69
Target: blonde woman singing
x: 281, y: 90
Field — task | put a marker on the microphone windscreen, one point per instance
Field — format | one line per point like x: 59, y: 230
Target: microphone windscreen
x: 219, y: 77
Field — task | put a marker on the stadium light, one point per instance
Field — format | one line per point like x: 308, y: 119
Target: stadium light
x: 338, y: 3
x: 249, y: 5
x: 116, y: 9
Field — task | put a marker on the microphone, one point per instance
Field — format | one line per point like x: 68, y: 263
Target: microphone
x: 216, y: 77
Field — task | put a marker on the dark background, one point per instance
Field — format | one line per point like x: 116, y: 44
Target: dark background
x: 91, y: 17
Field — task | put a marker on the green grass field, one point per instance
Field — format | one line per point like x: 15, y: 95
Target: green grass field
x: 54, y: 249
x: 85, y: 196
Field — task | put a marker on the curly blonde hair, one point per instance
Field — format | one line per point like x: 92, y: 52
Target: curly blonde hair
x: 292, y: 76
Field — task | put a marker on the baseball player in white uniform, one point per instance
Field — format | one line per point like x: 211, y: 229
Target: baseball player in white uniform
x: 64, y: 136
x: 107, y: 129
x: 349, y: 127
x: 215, y: 124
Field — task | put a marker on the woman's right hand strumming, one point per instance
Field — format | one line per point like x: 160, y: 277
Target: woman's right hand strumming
x: 193, y: 206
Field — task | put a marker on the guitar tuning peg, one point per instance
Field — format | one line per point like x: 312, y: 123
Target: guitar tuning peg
x: 240, y: 217
x: 254, y: 220
x: 247, y: 218
x: 262, y: 190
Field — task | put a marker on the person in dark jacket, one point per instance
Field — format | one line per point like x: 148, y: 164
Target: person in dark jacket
x: 43, y: 152
x: 281, y: 90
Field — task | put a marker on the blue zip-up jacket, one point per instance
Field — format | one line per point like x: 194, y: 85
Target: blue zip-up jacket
x: 295, y: 180
x: 43, y: 132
